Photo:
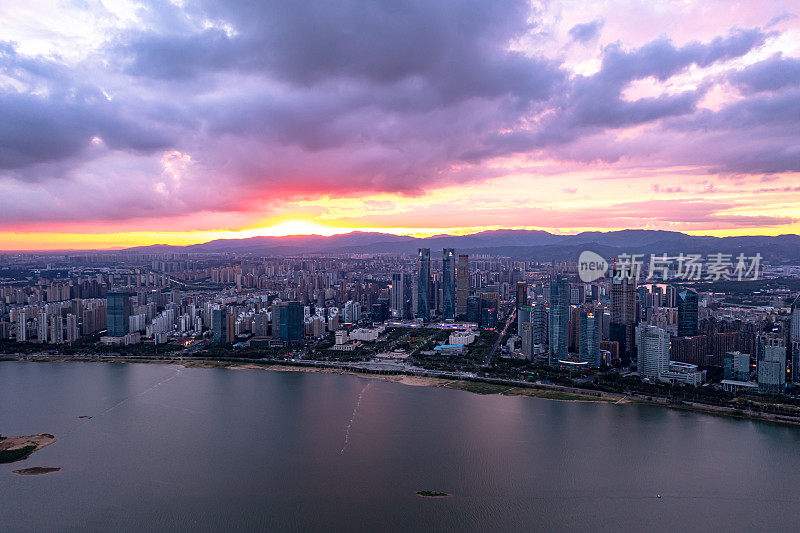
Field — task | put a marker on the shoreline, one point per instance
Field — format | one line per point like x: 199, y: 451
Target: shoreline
x: 476, y: 385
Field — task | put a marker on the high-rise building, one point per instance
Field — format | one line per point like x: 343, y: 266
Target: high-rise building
x: 652, y: 351
x: 423, y: 283
x: 287, y: 321
x: 574, y: 329
x: 559, y: 319
x: 794, y: 340
x: 533, y: 329
x: 380, y: 310
x: 692, y: 350
x: 539, y: 319
x: 589, y: 342
x: 462, y: 286
x: 488, y: 315
x: 401, y: 296
x: 219, y: 326
x: 772, y: 369
x: 42, y: 323
x: 71, y: 330
x: 118, y: 311
x: 523, y: 316
x: 687, y: 313
x: 671, y: 296
x: 474, y: 309
x: 56, y: 333
x: 260, y: 325
x: 448, y: 284
x: 722, y: 343
x: 736, y: 366
x: 522, y: 294
x: 623, y: 315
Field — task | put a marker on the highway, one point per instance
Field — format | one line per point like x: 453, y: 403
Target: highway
x: 502, y: 334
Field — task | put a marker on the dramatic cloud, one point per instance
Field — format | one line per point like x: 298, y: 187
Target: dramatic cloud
x: 769, y: 75
x: 248, y: 109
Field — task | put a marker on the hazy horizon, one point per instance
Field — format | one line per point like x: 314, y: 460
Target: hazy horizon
x: 360, y: 231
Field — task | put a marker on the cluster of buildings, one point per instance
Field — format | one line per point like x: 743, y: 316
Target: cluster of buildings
x: 670, y: 332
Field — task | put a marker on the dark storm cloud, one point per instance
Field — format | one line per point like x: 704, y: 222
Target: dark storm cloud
x: 39, y: 130
x: 459, y: 49
x: 586, y: 32
x: 60, y: 120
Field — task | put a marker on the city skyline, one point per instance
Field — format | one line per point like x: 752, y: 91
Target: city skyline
x: 165, y: 123
x: 366, y: 265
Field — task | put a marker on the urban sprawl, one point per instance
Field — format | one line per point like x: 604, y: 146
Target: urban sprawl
x: 730, y: 344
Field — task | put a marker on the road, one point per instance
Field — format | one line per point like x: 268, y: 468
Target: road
x: 502, y: 334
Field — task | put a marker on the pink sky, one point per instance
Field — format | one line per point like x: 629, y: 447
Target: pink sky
x: 158, y: 122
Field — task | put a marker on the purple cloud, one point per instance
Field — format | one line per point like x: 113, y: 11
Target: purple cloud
x: 272, y: 101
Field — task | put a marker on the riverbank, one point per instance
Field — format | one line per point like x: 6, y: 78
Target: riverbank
x: 422, y: 378
x: 21, y: 447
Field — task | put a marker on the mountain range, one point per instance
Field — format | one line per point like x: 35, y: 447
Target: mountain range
x: 517, y: 244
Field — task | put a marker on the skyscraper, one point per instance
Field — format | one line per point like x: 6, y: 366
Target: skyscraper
x: 794, y: 340
x: 539, y: 319
x: 523, y: 316
x: 652, y: 351
x: 623, y: 315
x: 474, y: 309
x: 559, y: 318
x: 448, y: 284
x: 219, y: 325
x: 118, y: 311
x: 401, y: 295
x: 462, y: 286
x: 532, y: 328
x: 589, y: 338
x: 522, y: 294
x: 287, y: 321
x: 687, y: 313
x: 423, y: 283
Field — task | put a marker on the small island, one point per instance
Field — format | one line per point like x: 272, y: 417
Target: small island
x: 432, y: 494
x: 37, y: 470
x: 19, y: 448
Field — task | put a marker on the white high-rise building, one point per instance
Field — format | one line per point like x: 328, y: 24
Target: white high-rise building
x: 42, y: 327
x: 401, y: 295
x: 653, y: 351
x: 71, y: 331
x: 22, y: 325
x: 56, y: 333
x: 352, y: 312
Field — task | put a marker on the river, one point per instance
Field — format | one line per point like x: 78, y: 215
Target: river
x: 171, y: 448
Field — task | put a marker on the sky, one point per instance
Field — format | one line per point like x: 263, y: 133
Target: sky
x: 126, y: 123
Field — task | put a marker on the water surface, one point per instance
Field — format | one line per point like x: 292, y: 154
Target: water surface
x: 169, y: 448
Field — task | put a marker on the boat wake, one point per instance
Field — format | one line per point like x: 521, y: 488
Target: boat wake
x: 352, y: 419
x: 85, y: 418
x: 178, y: 372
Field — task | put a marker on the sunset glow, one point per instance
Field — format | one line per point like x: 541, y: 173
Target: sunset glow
x: 145, y: 123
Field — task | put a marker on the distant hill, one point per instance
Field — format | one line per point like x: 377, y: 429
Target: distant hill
x: 519, y: 244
